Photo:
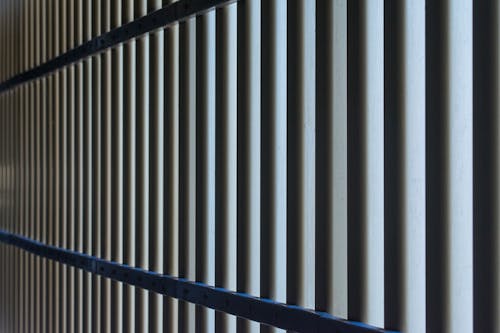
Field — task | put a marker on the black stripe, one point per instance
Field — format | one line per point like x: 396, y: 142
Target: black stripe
x: 176, y: 12
x: 261, y: 310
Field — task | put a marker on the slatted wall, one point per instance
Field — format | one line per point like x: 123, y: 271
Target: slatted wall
x: 340, y: 156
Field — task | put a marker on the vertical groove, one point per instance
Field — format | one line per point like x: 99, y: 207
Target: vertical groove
x: 486, y: 162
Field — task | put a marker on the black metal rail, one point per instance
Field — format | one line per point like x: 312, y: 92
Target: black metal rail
x: 246, y: 306
x: 175, y: 12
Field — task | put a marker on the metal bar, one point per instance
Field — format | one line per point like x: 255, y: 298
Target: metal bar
x: 117, y: 167
x: 129, y: 167
x: 205, y: 159
x: 274, y: 153
x: 266, y: 311
x: 331, y: 158
x: 226, y: 157
x: 171, y: 170
x: 142, y: 204
x: 301, y: 154
x: 187, y: 166
x: 156, y: 155
x: 248, y: 159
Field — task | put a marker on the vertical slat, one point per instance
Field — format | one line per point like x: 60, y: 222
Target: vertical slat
x: 142, y: 222
x: 171, y: 216
x: 156, y: 155
x: 70, y: 220
x: 373, y: 302
x: 79, y: 153
x: 129, y: 185
x: 187, y: 166
x: 32, y: 196
x: 301, y: 154
x: 205, y: 160
x: 44, y: 194
x: 22, y: 205
x: 331, y: 159
x: 459, y: 316
x: 117, y: 168
x: 44, y: 203
x: 274, y: 153
x: 16, y: 286
x: 57, y: 195
x: 413, y: 298
x: 87, y: 166
x: 225, y: 164
x: 96, y: 167
x: 366, y: 181
x: 106, y: 158
x: 249, y: 152
x: 70, y: 217
x: 63, y: 199
x: 31, y: 262
x: 50, y: 200
x: 55, y: 159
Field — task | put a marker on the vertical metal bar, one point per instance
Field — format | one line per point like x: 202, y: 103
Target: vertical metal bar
x: 43, y: 166
x: 43, y: 203
x: 87, y: 318
x: 142, y: 222
x: 226, y: 158
x: 20, y: 206
x: 171, y: 215
x: 26, y: 197
x: 414, y: 283
x: 50, y: 200
x: 117, y: 168
x: 459, y: 314
x: 249, y: 152
x: 33, y: 216
x: 129, y: 157
x: 96, y: 167
x: 331, y: 157
x: 70, y: 125
x: 373, y: 312
x: 16, y: 167
x: 156, y: 156
x: 301, y: 154
x: 205, y: 159
x: 106, y: 200
x: 79, y: 153
x: 70, y: 217
x: 36, y: 147
x: 366, y: 176
x: 187, y: 166
x: 63, y: 199
x: 274, y: 153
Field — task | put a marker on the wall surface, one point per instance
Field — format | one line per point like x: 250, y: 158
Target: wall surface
x: 338, y: 155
